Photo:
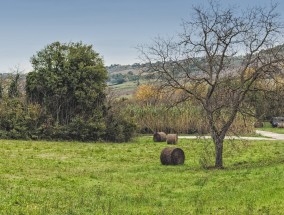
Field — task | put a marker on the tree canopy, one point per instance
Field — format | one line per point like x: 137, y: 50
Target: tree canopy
x: 67, y: 80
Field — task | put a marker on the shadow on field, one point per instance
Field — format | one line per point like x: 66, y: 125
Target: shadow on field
x: 252, y: 165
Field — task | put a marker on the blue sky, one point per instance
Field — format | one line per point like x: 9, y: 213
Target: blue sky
x: 113, y: 27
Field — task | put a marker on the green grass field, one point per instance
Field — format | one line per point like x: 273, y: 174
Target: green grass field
x: 106, y: 178
x: 267, y: 127
x: 125, y: 89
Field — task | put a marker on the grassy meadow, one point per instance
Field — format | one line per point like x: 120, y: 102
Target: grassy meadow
x: 125, y: 89
x: 107, y: 178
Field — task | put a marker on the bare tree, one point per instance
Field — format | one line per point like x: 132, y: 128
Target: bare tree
x: 217, y: 59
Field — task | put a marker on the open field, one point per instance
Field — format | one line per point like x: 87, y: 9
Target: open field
x: 126, y: 89
x: 105, y: 178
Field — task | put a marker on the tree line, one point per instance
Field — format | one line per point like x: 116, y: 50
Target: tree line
x: 64, y: 98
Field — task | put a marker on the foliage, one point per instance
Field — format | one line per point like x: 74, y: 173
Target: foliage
x: 68, y: 81
x: 1, y: 88
x: 119, y: 129
x: 18, y: 120
x: 119, y: 78
x: 186, y: 118
x: 120, y: 126
x: 147, y: 94
x: 91, y: 129
x: 65, y: 99
x: 13, y: 90
x: 268, y: 100
x: 104, y: 178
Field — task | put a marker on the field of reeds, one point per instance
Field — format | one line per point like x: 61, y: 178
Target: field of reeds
x: 183, y: 119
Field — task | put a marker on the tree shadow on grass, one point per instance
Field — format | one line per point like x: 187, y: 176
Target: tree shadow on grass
x: 252, y: 165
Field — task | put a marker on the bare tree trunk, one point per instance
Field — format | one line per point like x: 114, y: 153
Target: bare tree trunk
x: 219, y: 154
x: 218, y: 140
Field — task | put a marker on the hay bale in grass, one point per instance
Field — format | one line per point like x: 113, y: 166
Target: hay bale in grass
x: 280, y: 125
x: 258, y: 124
x: 172, y: 139
x: 172, y: 156
x: 160, y: 137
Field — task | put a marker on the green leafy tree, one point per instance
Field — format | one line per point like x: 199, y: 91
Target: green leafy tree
x: 1, y: 88
x: 68, y: 81
x: 13, y: 90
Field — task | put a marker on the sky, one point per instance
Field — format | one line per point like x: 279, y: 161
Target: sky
x: 114, y: 27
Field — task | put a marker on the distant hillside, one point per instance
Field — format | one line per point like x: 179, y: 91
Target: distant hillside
x: 124, y: 79
x: 124, y: 69
x: 119, y: 74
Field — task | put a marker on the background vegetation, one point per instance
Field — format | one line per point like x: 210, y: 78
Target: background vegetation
x: 63, y: 98
x: 155, y: 112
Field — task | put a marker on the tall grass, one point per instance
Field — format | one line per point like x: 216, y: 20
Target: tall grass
x: 185, y: 118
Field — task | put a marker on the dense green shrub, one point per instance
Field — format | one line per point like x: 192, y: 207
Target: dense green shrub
x: 17, y: 119
x: 78, y: 129
x: 119, y: 129
x: 120, y: 126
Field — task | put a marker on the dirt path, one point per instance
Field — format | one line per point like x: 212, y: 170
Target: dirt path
x: 266, y: 136
x: 272, y: 135
x: 230, y: 138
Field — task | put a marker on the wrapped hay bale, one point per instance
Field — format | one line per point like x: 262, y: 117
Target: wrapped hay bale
x: 280, y: 125
x: 258, y: 124
x: 172, y: 156
x: 172, y: 139
x: 160, y: 137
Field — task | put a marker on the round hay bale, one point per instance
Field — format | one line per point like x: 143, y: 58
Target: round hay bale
x: 280, y: 125
x: 172, y: 139
x: 258, y: 124
x: 172, y: 156
x: 160, y: 137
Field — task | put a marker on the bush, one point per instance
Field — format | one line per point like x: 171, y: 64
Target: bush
x: 119, y: 129
x: 18, y: 120
x: 78, y: 129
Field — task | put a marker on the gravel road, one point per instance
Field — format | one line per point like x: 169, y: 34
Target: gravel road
x: 266, y: 136
x: 271, y: 135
